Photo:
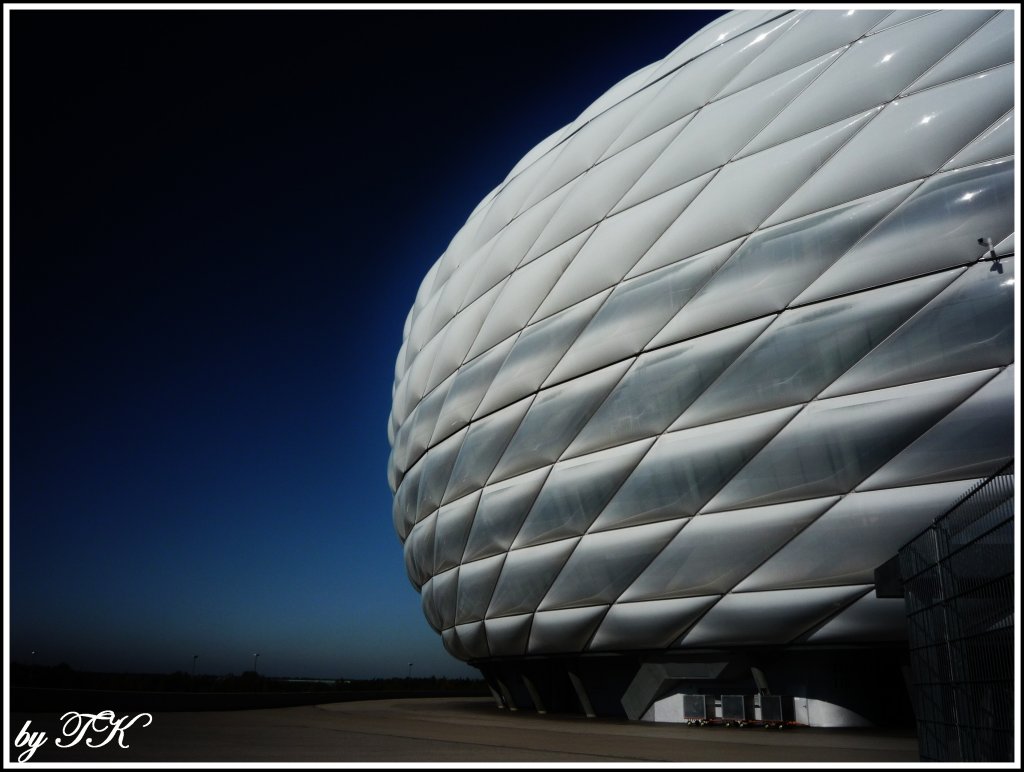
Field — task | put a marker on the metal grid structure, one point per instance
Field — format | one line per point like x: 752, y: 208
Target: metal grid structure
x: 959, y: 581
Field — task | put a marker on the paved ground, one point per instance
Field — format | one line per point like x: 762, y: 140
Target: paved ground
x: 456, y: 729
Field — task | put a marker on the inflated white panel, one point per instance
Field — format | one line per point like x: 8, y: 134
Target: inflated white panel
x: 870, y: 619
x: 555, y: 418
x: 660, y: 385
x: 974, y: 440
x: 767, y: 618
x: 576, y: 490
x: 564, y: 629
x: 684, y: 469
x: 604, y: 564
x: 805, y: 349
x: 519, y: 298
x: 995, y: 142
x: 910, y: 138
x: 719, y: 130
x: 476, y: 585
x: 813, y: 34
x: 502, y: 509
x: 526, y: 576
x: 713, y: 552
x: 989, y: 47
x: 729, y: 206
x: 647, y: 624
x: 968, y: 326
x: 834, y: 444
x: 874, y: 520
x: 714, y: 350
x: 635, y: 311
x: 508, y: 636
x: 776, y: 264
x: 536, y: 352
x: 872, y: 71
x: 923, y: 232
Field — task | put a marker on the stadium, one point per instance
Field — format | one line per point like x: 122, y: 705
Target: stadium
x: 707, y: 358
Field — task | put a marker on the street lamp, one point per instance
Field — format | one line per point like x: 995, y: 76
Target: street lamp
x: 409, y: 674
x: 255, y: 657
x: 195, y: 657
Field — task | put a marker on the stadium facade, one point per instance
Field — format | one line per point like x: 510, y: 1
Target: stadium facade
x: 708, y: 357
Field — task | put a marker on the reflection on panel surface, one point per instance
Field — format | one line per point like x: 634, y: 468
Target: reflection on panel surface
x: 714, y: 351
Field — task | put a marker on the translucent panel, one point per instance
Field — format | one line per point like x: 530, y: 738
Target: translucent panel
x: 619, y: 242
x: 872, y: 71
x: 419, y: 328
x: 502, y: 509
x: 685, y: 469
x: 419, y: 551
x: 635, y: 311
x: 509, y: 201
x: 909, y: 139
x: 576, y: 491
x: 722, y: 128
x: 708, y: 64
x: 969, y: 326
x: 471, y: 382
x: 847, y: 543
x: 535, y: 353
x: 989, y: 47
x: 648, y: 624
x: 527, y: 576
x: 453, y: 645
x: 419, y: 371
x: 445, y: 589
x: 806, y: 348
x: 660, y: 385
x: 476, y: 583
x: 597, y: 192
x: 453, y: 295
x: 619, y: 103
x: 937, y: 227
x: 473, y: 639
x: 581, y: 151
x: 437, y: 466
x: 898, y: 17
x: 564, y: 630
x: 404, y: 509
x: 834, y: 444
x: 995, y: 142
x: 523, y: 293
x: 730, y: 206
x: 972, y: 441
x: 813, y: 34
x: 485, y: 442
x: 539, y: 151
x: 506, y: 637
x: 774, y: 265
x: 690, y: 87
x: 604, y: 564
x: 453, y: 523
x: 427, y: 606
x: 714, y: 552
x: 868, y: 620
x: 555, y: 418
x: 516, y: 241
x: 423, y: 421
x: 765, y: 618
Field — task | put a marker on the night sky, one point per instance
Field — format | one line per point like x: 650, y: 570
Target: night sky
x: 219, y: 222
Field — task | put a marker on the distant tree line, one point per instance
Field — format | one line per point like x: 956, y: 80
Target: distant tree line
x: 63, y: 676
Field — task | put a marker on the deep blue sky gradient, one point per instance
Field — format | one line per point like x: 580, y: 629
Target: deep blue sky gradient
x: 219, y: 223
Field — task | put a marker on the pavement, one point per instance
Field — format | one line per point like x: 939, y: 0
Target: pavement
x: 453, y: 729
